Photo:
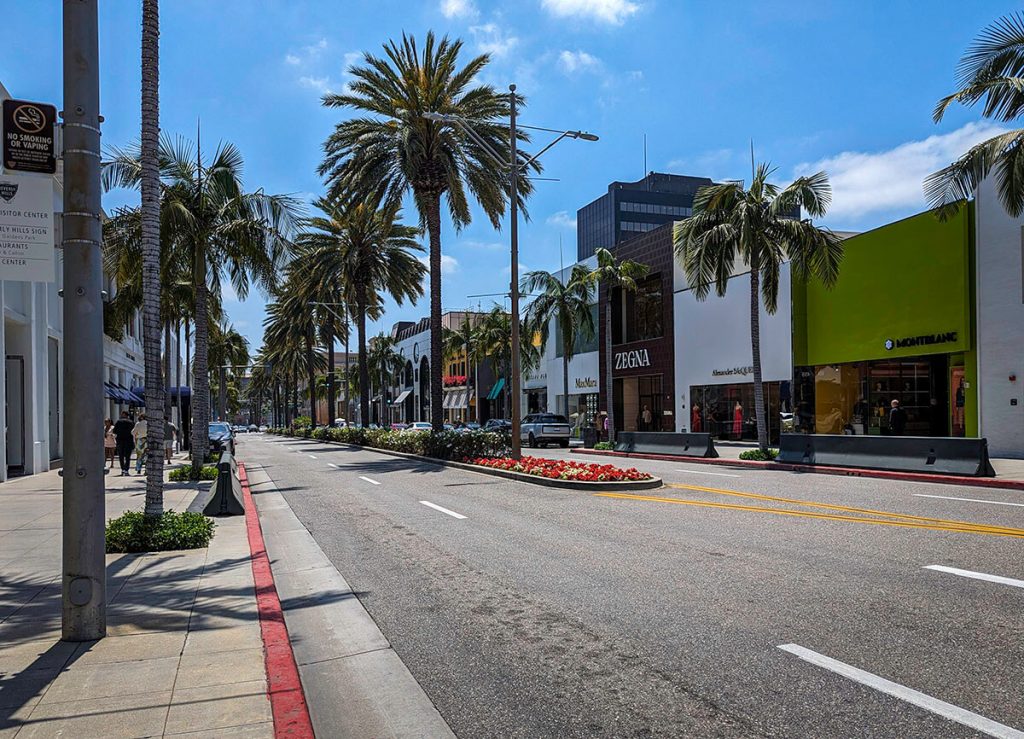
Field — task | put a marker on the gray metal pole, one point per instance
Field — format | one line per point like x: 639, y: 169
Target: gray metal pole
x: 84, y: 594
x: 514, y: 288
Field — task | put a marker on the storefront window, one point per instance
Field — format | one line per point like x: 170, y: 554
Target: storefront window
x: 644, y: 310
x: 582, y: 343
x: 638, y: 405
x: 729, y: 411
x: 582, y: 411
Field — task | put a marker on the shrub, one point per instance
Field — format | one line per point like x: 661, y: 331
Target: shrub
x: 302, y: 422
x: 184, y: 474
x: 606, y: 446
x: 134, y: 531
x: 758, y: 456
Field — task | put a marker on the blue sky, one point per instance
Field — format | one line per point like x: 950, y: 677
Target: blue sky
x: 841, y: 86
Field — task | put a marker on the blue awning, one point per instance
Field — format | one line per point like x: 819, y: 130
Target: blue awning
x: 131, y: 397
x: 109, y: 391
x: 496, y: 390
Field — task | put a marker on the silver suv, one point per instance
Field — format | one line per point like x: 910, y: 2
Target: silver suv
x: 545, y: 428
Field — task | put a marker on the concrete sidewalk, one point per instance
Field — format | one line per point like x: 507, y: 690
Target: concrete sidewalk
x: 183, y: 655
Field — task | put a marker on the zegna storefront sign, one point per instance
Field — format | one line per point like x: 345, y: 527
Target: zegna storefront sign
x: 632, y: 359
x: 949, y: 337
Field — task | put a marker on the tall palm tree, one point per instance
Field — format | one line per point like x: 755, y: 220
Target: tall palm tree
x: 392, y: 149
x: 461, y: 342
x: 754, y: 228
x: 225, y: 232
x: 228, y: 350
x: 610, y: 273
x: 384, y: 364
x: 364, y: 247
x: 494, y: 343
x: 565, y: 304
x: 991, y: 70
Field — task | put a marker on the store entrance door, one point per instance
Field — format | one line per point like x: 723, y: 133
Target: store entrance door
x: 638, y: 403
x: 15, y: 415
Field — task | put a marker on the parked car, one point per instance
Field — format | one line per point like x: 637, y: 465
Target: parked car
x: 541, y: 429
x: 239, y: 429
x: 398, y: 427
x: 264, y: 428
x: 468, y: 427
x: 418, y: 426
x: 341, y: 423
x: 221, y: 437
x: 253, y: 428
x: 498, y: 424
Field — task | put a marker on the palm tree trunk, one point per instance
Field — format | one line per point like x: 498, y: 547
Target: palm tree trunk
x: 565, y: 382
x: 201, y: 374
x: 191, y: 383
x: 331, y: 388
x: 433, y: 206
x: 364, y: 370
x: 348, y: 400
x: 755, y: 347
x: 311, y: 375
x: 177, y: 376
x: 222, y: 393
x: 150, y: 185
x: 608, y: 383
x: 167, y: 370
x: 295, y: 395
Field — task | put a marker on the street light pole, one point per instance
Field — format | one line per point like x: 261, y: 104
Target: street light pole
x: 513, y: 230
x: 83, y: 582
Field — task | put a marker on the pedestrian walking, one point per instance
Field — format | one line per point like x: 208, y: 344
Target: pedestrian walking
x: 170, y: 433
x: 139, y: 436
x: 124, y: 441
x: 109, y: 444
x: 897, y: 419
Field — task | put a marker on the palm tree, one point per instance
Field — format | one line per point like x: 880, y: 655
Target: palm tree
x: 151, y: 263
x: 228, y: 350
x: 364, y: 248
x: 225, y: 233
x: 755, y: 228
x: 384, y: 363
x: 610, y: 273
x: 990, y: 71
x: 566, y: 304
x: 461, y: 342
x: 393, y: 149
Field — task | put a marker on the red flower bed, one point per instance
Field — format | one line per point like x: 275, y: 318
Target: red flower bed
x: 562, y: 469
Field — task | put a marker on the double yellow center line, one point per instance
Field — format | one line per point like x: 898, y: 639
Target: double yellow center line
x: 860, y: 515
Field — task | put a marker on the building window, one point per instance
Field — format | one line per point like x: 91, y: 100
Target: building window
x: 644, y: 310
x: 582, y: 344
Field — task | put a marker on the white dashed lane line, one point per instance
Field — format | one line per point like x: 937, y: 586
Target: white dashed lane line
x: 372, y: 482
x: 331, y: 464
x: 968, y: 500
x: 312, y: 456
x: 436, y: 507
x: 921, y: 700
x: 978, y: 575
x: 702, y: 472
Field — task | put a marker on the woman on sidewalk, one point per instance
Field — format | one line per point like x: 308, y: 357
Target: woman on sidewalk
x: 109, y: 444
x: 139, y: 434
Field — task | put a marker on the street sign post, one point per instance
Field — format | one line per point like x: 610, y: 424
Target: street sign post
x: 26, y: 228
x: 28, y: 132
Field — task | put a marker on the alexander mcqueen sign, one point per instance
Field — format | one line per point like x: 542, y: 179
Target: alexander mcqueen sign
x: 29, y: 136
x: 949, y: 337
x: 748, y: 370
x: 632, y: 359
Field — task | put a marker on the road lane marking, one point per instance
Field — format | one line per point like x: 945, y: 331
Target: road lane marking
x: 331, y: 464
x: 965, y: 529
x: 372, y: 482
x: 312, y: 456
x: 917, y: 698
x: 702, y: 472
x: 847, y: 509
x: 968, y: 500
x: 453, y: 514
x: 978, y: 575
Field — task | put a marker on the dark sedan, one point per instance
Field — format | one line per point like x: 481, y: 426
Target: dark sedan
x: 221, y: 437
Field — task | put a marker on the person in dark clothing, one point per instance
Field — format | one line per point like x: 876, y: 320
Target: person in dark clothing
x: 125, y: 441
x: 897, y: 419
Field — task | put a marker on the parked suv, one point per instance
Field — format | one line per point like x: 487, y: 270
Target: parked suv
x: 545, y: 428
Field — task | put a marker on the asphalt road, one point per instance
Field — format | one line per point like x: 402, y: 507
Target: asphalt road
x: 553, y: 613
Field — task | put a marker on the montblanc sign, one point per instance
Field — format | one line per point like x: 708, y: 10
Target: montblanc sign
x: 632, y: 359
x: 949, y: 337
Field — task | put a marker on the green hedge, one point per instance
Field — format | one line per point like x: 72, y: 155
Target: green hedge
x: 450, y: 445
x: 184, y: 474
x: 134, y: 531
x: 758, y: 456
x: 605, y: 446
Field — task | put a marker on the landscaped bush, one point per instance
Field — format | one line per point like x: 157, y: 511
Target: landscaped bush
x: 450, y: 445
x: 134, y: 531
x: 605, y: 446
x: 758, y: 456
x: 302, y: 422
x: 560, y: 469
x: 184, y: 474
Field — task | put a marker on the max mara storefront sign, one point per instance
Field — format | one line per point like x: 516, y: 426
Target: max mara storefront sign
x: 632, y: 359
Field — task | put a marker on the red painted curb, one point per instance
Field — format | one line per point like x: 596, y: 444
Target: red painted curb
x: 287, y: 701
x: 980, y: 482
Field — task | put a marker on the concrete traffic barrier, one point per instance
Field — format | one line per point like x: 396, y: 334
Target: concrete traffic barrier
x: 662, y: 442
x: 227, y: 494
x: 935, y: 455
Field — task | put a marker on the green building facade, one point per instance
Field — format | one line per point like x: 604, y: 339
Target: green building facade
x: 897, y: 325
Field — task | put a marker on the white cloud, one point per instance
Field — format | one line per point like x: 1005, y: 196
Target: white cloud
x: 578, y: 61
x: 488, y: 245
x: 718, y: 164
x: 320, y: 84
x: 449, y: 264
x: 561, y: 219
x: 490, y: 39
x: 459, y: 9
x: 614, y: 12
x: 292, y: 59
x: 866, y: 182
